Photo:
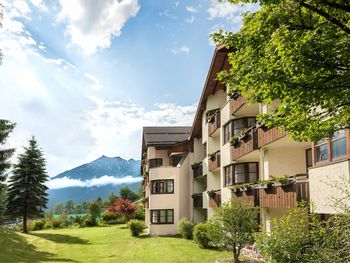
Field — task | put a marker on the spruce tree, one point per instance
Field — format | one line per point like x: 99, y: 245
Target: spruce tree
x: 6, y: 127
x: 27, y: 197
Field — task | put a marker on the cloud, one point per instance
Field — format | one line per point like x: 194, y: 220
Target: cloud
x: 190, y: 20
x: 167, y: 13
x: 92, y: 24
x: 228, y: 11
x: 21, y: 6
x: 40, y: 4
x: 183, y: 49
x: 104, y: 180
x: 96, y: 83
x: 191, y: 9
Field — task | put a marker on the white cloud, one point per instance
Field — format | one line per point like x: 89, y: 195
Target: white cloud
x: 190, y: 20
x: 96, y: 83
x: 230, y: 11
x: 21, y: 6
x: 92, y: 24
x: 40, y: 4
x: 104, y: 180
x: 191, y: 9
x: 168, y: 14
x: 183, y: 49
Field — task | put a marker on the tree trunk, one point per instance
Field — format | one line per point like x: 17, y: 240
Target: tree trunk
x: 25, y: 223
x: 235, y: 255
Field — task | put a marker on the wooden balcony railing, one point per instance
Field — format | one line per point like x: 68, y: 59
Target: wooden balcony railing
x: 268, y: 135
x: 215, y: 123
x: 236, y: 102
x: 250, y: 196
x: 198, y: 201
x: 245, y: 145
x: 284, y: 196
x: 197, y: 171
x: 214, y: 161
x: 216, y: 200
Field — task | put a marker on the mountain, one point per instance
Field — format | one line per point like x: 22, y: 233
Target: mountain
x: 95, y: 179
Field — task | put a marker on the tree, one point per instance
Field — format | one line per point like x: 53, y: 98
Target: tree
x: 27, y: 195
x: 6, y: 128
x: 297, y: 53
x: 58, y: 209
x: 70, y: 207
x: 126, y: 193
x: 124, y: 207
x: 112, y: 198
x: 236, y: 221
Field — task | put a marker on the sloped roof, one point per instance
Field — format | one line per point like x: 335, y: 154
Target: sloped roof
x: 162, y: 136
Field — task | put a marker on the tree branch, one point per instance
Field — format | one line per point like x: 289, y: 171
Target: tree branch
x: 345, y: 8
x: 327, y: 17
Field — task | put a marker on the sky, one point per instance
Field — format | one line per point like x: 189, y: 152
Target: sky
x: 84, y: 76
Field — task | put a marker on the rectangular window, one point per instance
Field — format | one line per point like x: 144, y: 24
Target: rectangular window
x: 227, y: 132
x: 163, y: 187
x: 157, y: 162
x: 205, y: 149
x: 338, y: 144
x: 175, y: 160
x: 163, y: 216
x: 241, y: 173
x: 321, y: 151
x: 308, y: 158
x: 241, y: 124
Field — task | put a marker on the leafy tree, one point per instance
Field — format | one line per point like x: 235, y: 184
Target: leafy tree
x: 296, y: 53
x: 59, y: 209
x: 112, y: 198
x: 126, y: 193
x: 27, y: 195
x: 236, y: 221
x: 124, y: 207
x: 6, y: 128
x: 94, y: 212
x: 70, y: 207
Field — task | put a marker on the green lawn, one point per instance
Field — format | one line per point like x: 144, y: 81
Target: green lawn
x: 99, y: 244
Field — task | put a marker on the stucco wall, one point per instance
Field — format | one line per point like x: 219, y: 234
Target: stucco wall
x: 325, y: 185
x: 198, y: 152
x: 185, y: 177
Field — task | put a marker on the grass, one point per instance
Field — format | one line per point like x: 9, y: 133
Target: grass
x: 99, y: 244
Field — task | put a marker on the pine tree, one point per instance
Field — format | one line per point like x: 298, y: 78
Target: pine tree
x: 6, y: 127
x: 27, y: 197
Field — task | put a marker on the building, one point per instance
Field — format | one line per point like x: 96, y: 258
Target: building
x: 230, y: 155
x: 166, y: 159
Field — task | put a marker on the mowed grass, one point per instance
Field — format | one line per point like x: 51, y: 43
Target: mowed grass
x: 100, y: 244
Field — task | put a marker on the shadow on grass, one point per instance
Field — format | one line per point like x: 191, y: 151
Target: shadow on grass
x: 14, y: 248
x: 63, y: 239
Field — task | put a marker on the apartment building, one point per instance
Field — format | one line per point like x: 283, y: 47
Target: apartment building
x: 233, y: 156
x: 166, y: 159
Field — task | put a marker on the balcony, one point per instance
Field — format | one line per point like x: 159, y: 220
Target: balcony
x: 250, y: 196
x: 197, y: 200
x: 214, y: 123
x: 236, y: 103
x: 268, y: 135
x: 215, y: 199
x: 197, y: 169
x: 284, y: 196
x: 214, y: 161
x: 244, y: 145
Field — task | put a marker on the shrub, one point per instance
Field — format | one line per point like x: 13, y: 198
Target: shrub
x: 90, y: 220
x: 47, y: 225
x: 78, y: 220
x: 136, y: 227
x: 56, y: 223
x: 37, y: 225
x: 201, y: 235
x: 186, y: 228
x: 124, y: 207
x: 108, y: 216
x: 140, y: 214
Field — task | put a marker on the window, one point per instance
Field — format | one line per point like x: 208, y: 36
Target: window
x: 308, y: 158
x: 227, y: 132
x: 163, y: 187
x: 153, y: 163
x: 175, y: 160
x: 234, y: 127
x: 205, y: 149
x: 163, y: 216
x: 338, y: 144
x: 321, y: 151
x: 241, y: 173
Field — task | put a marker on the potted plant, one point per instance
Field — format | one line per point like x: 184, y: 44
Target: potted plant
x: 210, y: 117
x: 246, y: 187
x: 211, y: 194
x: 234, y: 141
x: 265, y: 184
x: 195, y: 166
x: 236, y: 189
x: 196, y: 195
x: 244, y: 134
x: 212, y: 156
x: 283, y: 180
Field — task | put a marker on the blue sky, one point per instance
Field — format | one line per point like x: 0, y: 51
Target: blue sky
x: 84, y: 76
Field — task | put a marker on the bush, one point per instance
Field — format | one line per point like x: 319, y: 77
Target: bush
x: 108, y: 216
x: 186, y: 228
x: 136, y: 227
x: 90, y: 220
x: 56, y: 223
x: 140, y: 214
x: 37, y: 225
x: 47, y: 225
x: 201, y: 235
x: 78, y: 220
